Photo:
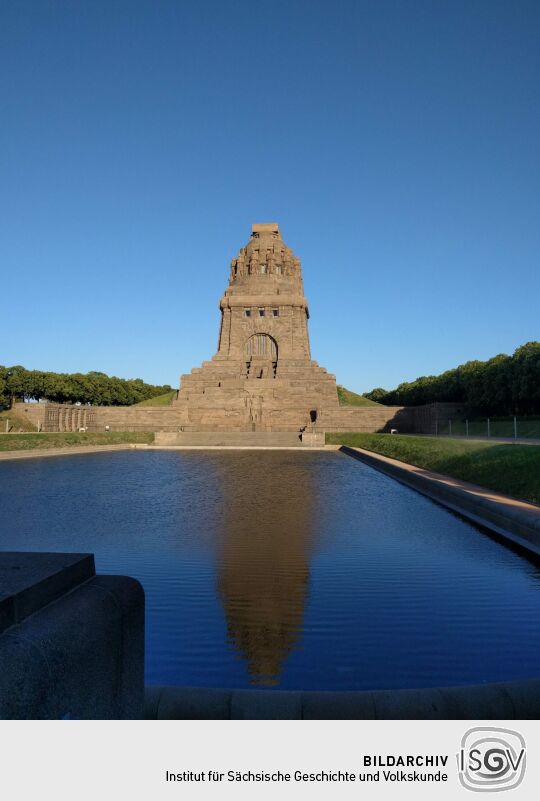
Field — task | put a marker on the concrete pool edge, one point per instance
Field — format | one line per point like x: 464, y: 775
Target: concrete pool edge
x: 513, y: 521
x: 514, y: 700
x: 68, y: 450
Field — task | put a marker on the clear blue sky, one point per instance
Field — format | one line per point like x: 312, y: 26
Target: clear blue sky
x: 396, y: 143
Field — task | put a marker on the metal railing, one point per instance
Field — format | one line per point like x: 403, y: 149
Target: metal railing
x: 490, y: 427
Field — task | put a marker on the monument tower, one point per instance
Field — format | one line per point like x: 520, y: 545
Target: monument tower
x: 262, y: 377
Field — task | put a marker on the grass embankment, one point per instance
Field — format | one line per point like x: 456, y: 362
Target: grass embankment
x: 511, y: 469
x: 16, y: 421
x: 24, y: 442
x: 160, y: 400
x: 348, y: 398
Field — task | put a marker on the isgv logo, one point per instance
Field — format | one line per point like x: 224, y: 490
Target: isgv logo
x: 491, y: 759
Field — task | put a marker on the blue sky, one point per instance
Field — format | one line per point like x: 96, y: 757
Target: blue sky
x: 396, y: 143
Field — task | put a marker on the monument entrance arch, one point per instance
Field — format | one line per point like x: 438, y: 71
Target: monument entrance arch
x: 261, y: 356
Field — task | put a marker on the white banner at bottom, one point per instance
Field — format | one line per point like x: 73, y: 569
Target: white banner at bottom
x: 223, y: 760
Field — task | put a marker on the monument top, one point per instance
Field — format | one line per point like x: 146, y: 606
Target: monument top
x: 265, y: 229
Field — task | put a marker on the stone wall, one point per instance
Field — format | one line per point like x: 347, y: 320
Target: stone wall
x: 237, y: 409
x: 368, y: 419
x: 54, y: 417
x: 516, y: 700
x: 34, y: 413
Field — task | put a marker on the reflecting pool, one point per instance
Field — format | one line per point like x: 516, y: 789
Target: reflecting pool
x: 290, y: 569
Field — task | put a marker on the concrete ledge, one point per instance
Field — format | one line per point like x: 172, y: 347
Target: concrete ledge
x: 34, y: 453
x: 313, y: 439
x: 512, y: 521
x: 40, y: 453
x: 303, y: 448
x: 72, y: 644
x: 518, y: 700
x: 28, y: 584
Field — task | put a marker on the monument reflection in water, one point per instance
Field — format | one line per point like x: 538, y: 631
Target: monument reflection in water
x: 263, y: 557
x: 296, y: 570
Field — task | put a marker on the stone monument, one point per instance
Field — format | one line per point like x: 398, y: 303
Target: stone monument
x: 262, y: 377
x: 261, y: 387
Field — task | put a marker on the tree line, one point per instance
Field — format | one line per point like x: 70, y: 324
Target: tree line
x: 503, y: 385
x: 98, y: 389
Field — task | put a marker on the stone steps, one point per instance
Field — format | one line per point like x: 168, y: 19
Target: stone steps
x: 249, y: 439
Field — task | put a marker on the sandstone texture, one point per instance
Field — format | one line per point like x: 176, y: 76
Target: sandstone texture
x: 262, y: 377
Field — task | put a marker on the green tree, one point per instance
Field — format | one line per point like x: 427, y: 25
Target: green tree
x: 378, y: 394
x: 95, y: 388
x: 503, y: 385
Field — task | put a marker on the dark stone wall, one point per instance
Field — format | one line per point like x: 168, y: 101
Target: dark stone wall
x: 71, y: 642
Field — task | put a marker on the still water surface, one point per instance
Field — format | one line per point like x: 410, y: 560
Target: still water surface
x: 285, y: 569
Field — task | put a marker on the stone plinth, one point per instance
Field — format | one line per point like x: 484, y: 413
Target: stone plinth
x: 71, y: 642
x: 313, y: 439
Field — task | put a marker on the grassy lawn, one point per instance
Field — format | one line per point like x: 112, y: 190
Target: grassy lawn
x: 348, y: 398
x: 23, y: 442
x: 512, y: 469
x: 160, y: 400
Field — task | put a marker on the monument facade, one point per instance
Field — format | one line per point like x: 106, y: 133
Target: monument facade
x: 262, y: 377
